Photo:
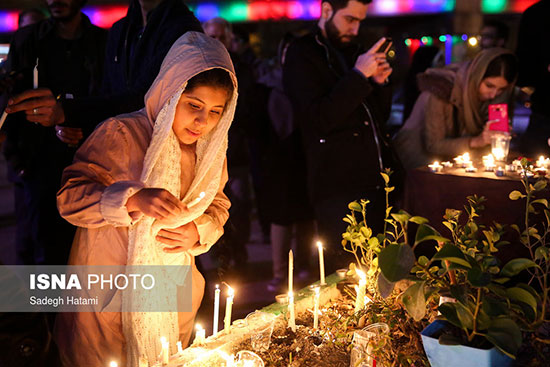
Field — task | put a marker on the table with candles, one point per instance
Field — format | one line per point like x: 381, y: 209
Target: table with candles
x: 430, y: 190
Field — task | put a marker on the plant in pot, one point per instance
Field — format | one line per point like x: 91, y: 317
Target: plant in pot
x: 488, y: 306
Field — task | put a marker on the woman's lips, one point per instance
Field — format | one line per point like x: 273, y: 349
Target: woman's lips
x: 193, y: 133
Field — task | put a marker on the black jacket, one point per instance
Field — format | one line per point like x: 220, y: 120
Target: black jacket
x: 127, y: 79
x: 340, y: 113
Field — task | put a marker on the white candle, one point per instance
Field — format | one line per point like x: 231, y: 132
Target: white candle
x: 200, y: 335
x: 196, y: 200
x: 3, y: 118
x: 228, y: 308
x: 435, y: 167
x: 216, y: 310
x: 316, y: 308
x: 165, y: 356
x: 113, y: 364
x: 180, y: 348
x: 35, y: 75
x: 360, y: 291
x: 291, y: 318
x: 290, y: 270
x: 321, y: 263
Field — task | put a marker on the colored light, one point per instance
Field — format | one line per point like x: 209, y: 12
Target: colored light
x: 493, y: 6
x: 472, y: 41
x: 442, y: 38
x: 235, y: 12
x: 8, y: 21
x: 408, y: 42
x: 105, y: 16
x: 205, y: 12
x: 465, y: 37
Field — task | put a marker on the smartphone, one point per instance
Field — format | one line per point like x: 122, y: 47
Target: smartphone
x: 498, y: 117
x: 386, y: 46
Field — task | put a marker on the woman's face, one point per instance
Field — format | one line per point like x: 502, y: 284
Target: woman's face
x: 492, y: 87
x: 198, y: 112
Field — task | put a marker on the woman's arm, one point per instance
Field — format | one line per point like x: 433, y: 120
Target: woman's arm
x: 440, y: 129
x: 96, y: 187
x: 210, y: 224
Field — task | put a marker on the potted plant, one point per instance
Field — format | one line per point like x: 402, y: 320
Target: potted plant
x: 489, y: 309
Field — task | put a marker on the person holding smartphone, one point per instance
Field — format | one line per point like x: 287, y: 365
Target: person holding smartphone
x: 451, y: 114
x: 341, y: 99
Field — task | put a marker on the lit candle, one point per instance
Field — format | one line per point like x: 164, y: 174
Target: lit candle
x: 290, y: 270
x: 291, y: 318
x: 321, y: 263
x: 3, y: 118
x: 196, y: 200
x: 499, y: 172
x: 470, y: 168
x: 180, y: 348
x: 316, y: 308
x: 228, y: 308
x: 164, y: 354
x: 435, y: 167
x: 35, y: 75
x: 200, y: 335
x: 447, y: 164
x: 489, y: 163
x: 498, y: 153
x: 113, y: 364
x: 216, y: 310
x: 360, y: 291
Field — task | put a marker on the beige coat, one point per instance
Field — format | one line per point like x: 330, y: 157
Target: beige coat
x: 105, y: 173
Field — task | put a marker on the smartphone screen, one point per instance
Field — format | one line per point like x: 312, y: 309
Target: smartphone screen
x: 386, y: 46
x: 498, y: 117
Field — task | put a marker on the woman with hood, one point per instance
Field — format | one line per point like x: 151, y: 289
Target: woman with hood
x: 128, y: 191
x: 450, y: 115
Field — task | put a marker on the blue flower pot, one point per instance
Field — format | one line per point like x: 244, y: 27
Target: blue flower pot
x: 459, y: 355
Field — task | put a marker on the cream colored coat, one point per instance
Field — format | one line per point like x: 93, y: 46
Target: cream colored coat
x: 105, y: 173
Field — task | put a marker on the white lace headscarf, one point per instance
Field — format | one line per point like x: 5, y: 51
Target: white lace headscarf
x: 190, y: 55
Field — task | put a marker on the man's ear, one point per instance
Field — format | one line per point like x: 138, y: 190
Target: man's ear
x: 326, y: 11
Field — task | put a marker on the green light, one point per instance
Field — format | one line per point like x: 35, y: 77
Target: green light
x: 430, y: 41
x: 442, y: 38
x: 408, y: 42
x: 424, y: 40
x: 493, y: 6
x: 235, y: 12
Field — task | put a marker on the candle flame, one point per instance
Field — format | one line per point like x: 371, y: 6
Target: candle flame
x: 163, y: 339
x: 113, y: 364
x: 202, y: 195
x: 319, y: 244
x: 198, y: 327
x: 362, y: 276
x: 230, y: 291
x: 290, y: 294
x: 217, y: 286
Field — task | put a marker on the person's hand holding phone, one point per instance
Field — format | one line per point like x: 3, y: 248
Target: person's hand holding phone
x: 373, y: 63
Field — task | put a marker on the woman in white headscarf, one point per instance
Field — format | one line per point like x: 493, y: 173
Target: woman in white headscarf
x: 128, y: 191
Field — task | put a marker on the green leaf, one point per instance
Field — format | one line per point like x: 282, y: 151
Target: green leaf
x: 448, y: 311
x: 544, y: 202
x: 459, y: 293
x: 478, y: 278
x: 515, y: 195
x: 426, y: 232
x: 449, y: 225
x: 414, y: 301
x: 389, y: 189
x: 521, y: 295
x: 540, y: 185
x: 401, y: 217
x: 465, y: 316
x: 355, y: 206
x: 385, y: 287
x: 453, y: 254
x: 494, y: 307
x: 385, y: 177
x: 515, y: 266
x: 418, y: 220
x: 505, y: 335
x: 396, y: 261
x: 542, y: 253
x: 423, y: 260
x: 366, y: 231
x: 374, y: 243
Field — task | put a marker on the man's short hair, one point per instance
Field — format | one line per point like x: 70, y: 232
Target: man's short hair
x: 220, y: 21
x: 340, y: 4
x: 501, y: 28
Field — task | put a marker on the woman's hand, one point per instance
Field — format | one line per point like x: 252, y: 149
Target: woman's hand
x: 482, y: 139
x: 157, y: 203
x: 180, y: 239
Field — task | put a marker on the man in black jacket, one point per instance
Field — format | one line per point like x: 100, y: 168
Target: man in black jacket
x: 136, y: 47
x: 340, y: 98
x: 68, y: 53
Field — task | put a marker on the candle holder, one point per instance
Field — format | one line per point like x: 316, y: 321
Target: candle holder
x: 246, y: 358
x: 262, y: 325
x: 470, y: 169
x: 500, y: 146
x: 435, y: 167
x: 282, y: 298
x: 341, y: 273
x: 363, y: 344
x: 499, y: 172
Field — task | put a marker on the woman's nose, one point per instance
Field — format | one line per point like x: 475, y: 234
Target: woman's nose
x: 201, y: 118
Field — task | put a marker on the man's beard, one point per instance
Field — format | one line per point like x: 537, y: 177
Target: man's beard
x: 334, y: 36
x: 73, y: 10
